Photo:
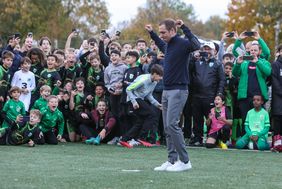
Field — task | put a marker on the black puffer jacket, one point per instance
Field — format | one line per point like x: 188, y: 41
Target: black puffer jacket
x: 276, y: 76
x: 208, y: 78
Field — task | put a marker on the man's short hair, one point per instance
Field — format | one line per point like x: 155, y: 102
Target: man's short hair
x: 169, y: 24
x: 158, y: 69
x: 279, y: 48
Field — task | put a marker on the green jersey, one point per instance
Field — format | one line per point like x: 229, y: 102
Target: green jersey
x: 11, y: 110
x: 51, y: 119
x: 40, y: 103
x: 49, y: 78
x: 5, y: 78
x: 257, y: 123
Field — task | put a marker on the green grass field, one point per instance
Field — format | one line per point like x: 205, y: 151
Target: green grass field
x: 83, y: 166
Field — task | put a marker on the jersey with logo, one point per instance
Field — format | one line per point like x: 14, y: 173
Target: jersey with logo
x: 11, y: 110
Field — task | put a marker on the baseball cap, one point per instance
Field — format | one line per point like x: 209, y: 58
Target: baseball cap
x: 209, y: 44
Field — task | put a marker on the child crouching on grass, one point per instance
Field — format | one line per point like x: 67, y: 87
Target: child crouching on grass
x: 219, y: 121
x: 257, y: 126
x: 98, y: 124
x: 52, y: 122
x: 22, y: 131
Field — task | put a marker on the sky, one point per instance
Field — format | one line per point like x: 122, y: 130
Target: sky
x: 124, y: 10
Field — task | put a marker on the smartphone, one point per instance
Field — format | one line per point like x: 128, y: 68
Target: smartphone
x: 118, y: 33
x: 75, y: 30
x: 142, y: 52
x: 25, y: 119
x: 29, y: 34
x: 112, y: 90
x: 103, y: 32
x: 203, y: 54
x: 249, y: 33
x: 248, y: 57
x: 17, y: 35
x: 230, y: 34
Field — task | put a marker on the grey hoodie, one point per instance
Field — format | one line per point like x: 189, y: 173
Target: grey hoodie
x: 142, y: 87
x: 114, y: 74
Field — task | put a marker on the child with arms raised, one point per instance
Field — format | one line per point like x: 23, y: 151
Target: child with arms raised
x: 219, y: 121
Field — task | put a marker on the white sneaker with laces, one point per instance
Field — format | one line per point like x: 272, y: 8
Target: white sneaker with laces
x: 164, y: 166
x: 179, y: 166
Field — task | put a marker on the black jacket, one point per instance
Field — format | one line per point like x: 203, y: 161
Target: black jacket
x: 208, y: 78
x: 276, y: 77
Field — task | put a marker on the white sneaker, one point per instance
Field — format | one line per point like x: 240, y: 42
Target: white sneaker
x: 114, y: 141
x: 164, y: 166
x: 179, y: 166
x: 133, y: 142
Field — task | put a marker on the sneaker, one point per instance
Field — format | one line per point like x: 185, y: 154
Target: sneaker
x: 145, y: 143
x: 125, y: 144
x: 179, y: 166
x: 114, y: 141
x: 90, y: 141
x: 97, y: 140
x: 133, y: 142
x: 163, y: 167
x: 222, y: 145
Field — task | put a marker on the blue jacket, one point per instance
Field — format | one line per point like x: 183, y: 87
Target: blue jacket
x: 176, y: 52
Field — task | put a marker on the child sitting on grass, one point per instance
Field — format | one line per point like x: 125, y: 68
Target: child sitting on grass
x: 28, y: 133
x: 257, y: 126
x: 219, y: 121
x: 103, y: 122
x: 52, y: 122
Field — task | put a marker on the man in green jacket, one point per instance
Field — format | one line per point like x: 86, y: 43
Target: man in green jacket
x: 253, y: 74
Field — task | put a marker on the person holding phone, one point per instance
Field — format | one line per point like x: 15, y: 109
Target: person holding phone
x: 253, y: 74
x: 250, y: 34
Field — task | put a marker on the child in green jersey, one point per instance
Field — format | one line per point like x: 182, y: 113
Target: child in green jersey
x: 257, y: 126
x: 13, y: 109
x: 52, y: 122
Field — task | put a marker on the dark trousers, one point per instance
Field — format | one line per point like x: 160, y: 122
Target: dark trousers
x: 159, y: 120
x: 50, y: 137
x: 277, y: 124
x: 223, y: 134
x: 245, y: 105
x: 201, y: 107
x: 146, y: 120
x: 187, y: 112
x: 115, y: 109
x: 89, y: 131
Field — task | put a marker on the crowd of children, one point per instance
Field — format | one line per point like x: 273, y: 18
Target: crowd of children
x: 111, y: 93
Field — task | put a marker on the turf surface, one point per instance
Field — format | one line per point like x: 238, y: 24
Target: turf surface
x: 83, y: 166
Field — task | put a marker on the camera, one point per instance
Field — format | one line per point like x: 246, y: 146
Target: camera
x: 249, y: 33
x: 203, y: 54
x: 29, y: 34
x: 118, y: 33
x: 92, y: 43
x: 112, y: 90
x: 230, y: 34
x: 248, y: 57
